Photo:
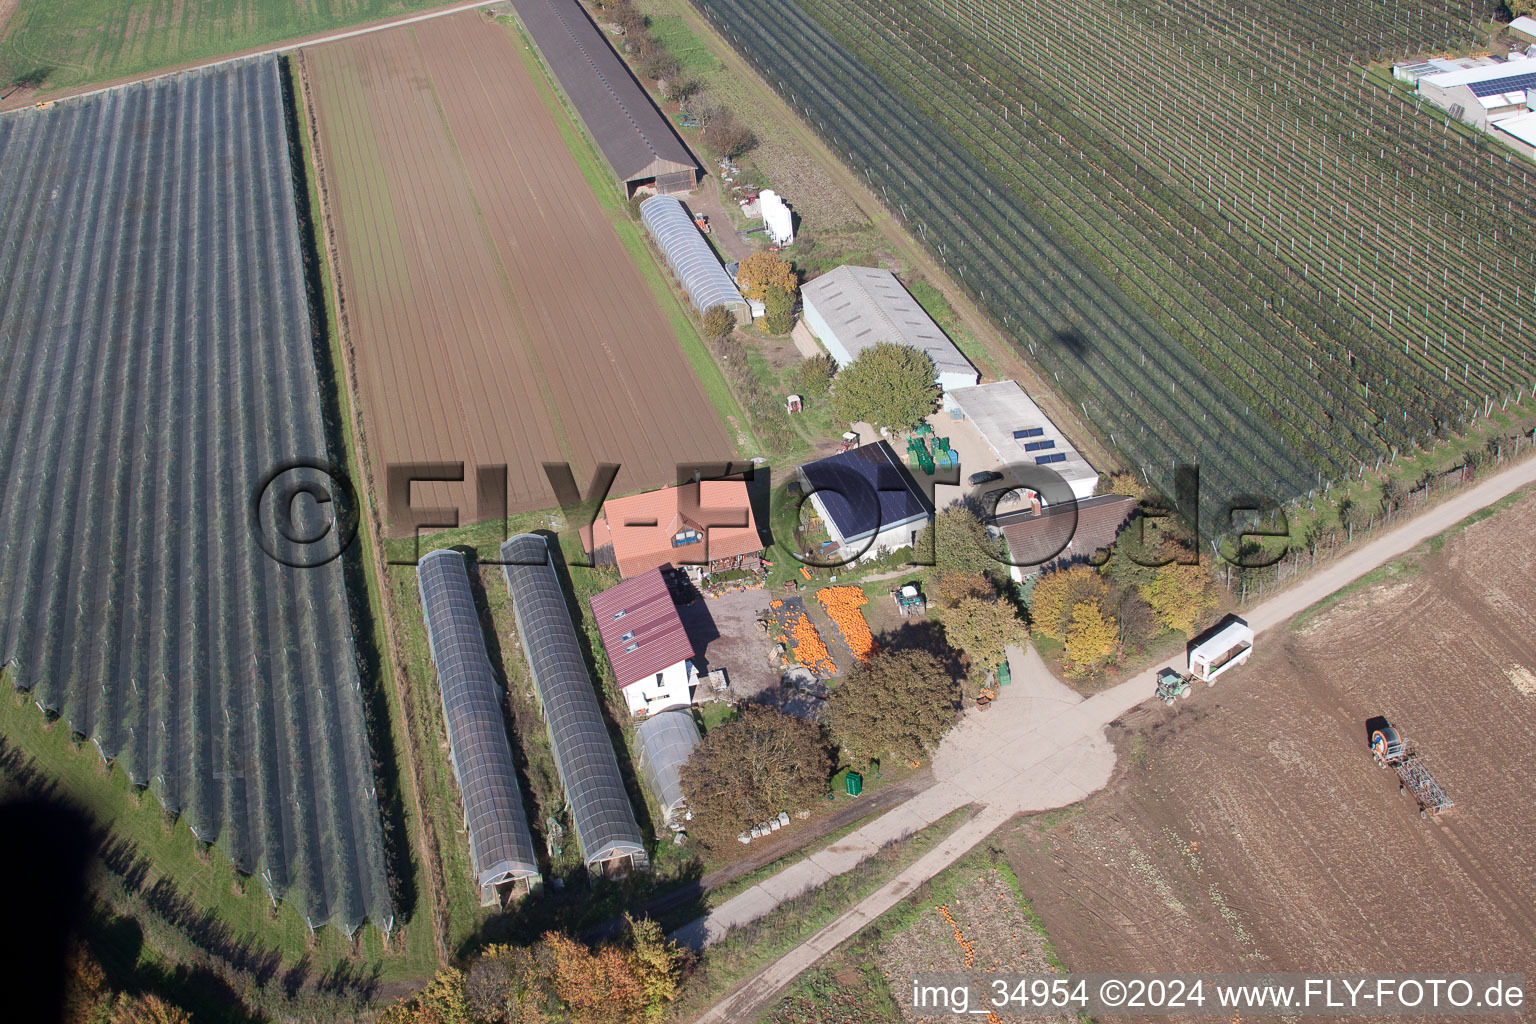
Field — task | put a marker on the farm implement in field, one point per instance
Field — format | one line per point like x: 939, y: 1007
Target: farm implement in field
x: 1391, y: 749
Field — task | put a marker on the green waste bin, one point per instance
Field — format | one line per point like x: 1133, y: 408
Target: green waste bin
x: 1004, y: 674
x: 853, y: 783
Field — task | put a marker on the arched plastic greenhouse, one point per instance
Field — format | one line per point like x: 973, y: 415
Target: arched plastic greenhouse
x: 501, y: 847
x: 589, y: 771
x: 690, y: 257
x: 667, y: 740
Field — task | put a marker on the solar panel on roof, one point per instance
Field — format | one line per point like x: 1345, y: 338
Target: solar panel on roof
x: 1036, y: 446
x: 866, y: 490
x: 1028, y: 432
x: 1495, y: 86
x: 1045, y: 460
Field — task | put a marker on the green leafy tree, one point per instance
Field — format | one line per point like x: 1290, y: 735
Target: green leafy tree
x: 888, y: 385
x: 759, y: 763
x: 950, y: 586
x: 894, y: 702
x: 718, y: 322
x: 960, y: 543
x: 980, y: 629
x: 779, y: 311
x: 814, y: 376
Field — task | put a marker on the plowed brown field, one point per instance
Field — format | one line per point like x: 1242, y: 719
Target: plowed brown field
x: 1251, y: 830
x: 495, y: 315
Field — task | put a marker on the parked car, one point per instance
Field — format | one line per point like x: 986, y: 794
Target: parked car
x: 985, y: 477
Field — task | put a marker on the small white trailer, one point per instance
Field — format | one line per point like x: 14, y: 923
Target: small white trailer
x: 1228, y: 648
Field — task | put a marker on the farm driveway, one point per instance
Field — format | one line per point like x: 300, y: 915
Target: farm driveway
x: 724, y: 634
x: 1041, y: 747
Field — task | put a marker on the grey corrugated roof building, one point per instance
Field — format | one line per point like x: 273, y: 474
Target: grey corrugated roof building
x: 852, y: 308
x: 501, y: 847
x: 692, y: 260
x: 584, y: 757
x: 667, y: 740
x: 636, y: 138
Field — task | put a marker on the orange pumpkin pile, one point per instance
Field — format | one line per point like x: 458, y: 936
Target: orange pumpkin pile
x: 842, y: 605
x: 810, y: 650
x: 970, y: 950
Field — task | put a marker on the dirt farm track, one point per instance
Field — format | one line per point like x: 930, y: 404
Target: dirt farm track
x: 495, y: 314
x: 1250, y: 829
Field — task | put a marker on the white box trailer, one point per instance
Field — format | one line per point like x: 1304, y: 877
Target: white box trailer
x: 1229, y: 648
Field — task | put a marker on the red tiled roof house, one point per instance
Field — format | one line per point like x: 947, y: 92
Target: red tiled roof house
x: 707, y: 524
x: 646, y: 643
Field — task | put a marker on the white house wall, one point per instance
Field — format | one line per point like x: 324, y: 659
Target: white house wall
x: 671, y: 687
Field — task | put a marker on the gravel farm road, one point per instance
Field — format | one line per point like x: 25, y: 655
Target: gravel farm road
x: 1041, y: 746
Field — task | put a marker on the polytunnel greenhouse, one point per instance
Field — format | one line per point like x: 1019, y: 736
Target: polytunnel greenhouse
x: 690, y: 257
x: 501, y: 847
x: 667, y: 741
x: 584, y: 756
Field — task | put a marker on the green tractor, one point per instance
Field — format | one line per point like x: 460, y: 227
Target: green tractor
x: 1171, y: 686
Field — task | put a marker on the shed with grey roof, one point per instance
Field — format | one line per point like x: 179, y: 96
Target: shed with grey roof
x: 692, y: 260
x: 578, y: 734
x: 852, y: 308
x: 501, y: 848
x: 636, y: 139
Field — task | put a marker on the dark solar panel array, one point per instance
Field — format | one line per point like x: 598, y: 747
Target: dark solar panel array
x: 1019, y: 435
x: 1046, y: 460
x: 500, y: 843
x: 865, y: 490
x: 1514, y: 83
x: 589, y: 770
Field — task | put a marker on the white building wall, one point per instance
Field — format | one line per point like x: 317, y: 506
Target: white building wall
x: 671, y: 687
x: 824, y: 333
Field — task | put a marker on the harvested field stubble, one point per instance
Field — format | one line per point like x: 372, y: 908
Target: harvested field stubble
x: 496, y: 316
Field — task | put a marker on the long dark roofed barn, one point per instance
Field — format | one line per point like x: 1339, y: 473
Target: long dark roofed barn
x: 636, y: 139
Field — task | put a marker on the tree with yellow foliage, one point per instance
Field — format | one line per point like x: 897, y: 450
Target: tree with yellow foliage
x: 1092, y: 636
x: 146, y: 1009
x: 443, y: 1001
x: 1182, y: 596
x: 1057, y: 595
x: 763, y: 273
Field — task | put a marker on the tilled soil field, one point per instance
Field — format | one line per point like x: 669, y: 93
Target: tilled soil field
x: 495, y: 315
x: 1250, y: 829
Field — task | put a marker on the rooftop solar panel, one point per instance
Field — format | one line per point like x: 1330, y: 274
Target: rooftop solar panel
x: 866, y: 490
x: 1512, y: 83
